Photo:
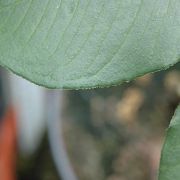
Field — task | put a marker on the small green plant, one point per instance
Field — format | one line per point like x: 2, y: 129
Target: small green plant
x: 80, y: 44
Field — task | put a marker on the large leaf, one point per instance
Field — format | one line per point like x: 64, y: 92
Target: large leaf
x: 88, y: 43
x: 170, y: 158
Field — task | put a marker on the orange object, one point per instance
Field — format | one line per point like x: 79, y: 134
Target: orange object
x: 8, y: 146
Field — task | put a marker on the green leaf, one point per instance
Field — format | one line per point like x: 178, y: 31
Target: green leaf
x: 170, y: 158
x: 88, y: 43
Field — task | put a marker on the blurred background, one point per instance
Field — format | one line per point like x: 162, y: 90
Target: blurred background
x: 102, y: 134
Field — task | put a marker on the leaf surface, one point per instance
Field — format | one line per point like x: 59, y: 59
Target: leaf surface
x: 170, y: 158
x: 88, y: 43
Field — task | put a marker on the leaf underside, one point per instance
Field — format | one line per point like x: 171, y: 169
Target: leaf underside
x: 170, y: 158
x: 76, y: 44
